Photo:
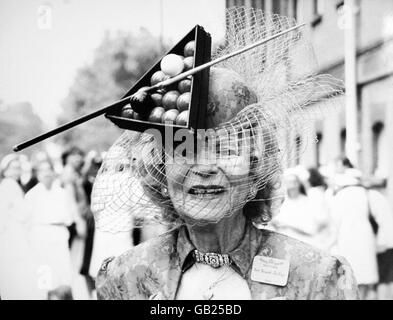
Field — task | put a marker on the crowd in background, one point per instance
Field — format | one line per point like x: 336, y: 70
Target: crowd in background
x: 335, y: 209
x: 49, y: 248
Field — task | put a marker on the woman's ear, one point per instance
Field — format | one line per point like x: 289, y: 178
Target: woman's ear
x: 164, y: 192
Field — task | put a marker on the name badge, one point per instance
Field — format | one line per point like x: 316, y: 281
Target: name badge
x: 270, y: 270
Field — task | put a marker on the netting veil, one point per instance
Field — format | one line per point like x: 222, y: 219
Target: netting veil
x: 257, y: 101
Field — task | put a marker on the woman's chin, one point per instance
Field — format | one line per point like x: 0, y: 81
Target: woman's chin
x: 197, y: 220
x: 205, y: 215
x: 204, y: 209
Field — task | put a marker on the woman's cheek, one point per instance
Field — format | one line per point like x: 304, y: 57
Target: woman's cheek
x: 176, y: 174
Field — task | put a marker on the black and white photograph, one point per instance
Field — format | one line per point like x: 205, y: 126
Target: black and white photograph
x: 222, y: 150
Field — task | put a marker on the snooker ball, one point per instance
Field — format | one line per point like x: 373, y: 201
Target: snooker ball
x: 127, y: 112
x: 157, y: 99
x: 184, y: 86
x: 189, y: 49
x: 188, y: 63
x: 183, y: 102
x: 172, y: 64
x: 137, y: 116
x: 156, y: 114
x: 157, y: 77
x: 170, y: 116
x: 182, y: 118
x: 169, y: 99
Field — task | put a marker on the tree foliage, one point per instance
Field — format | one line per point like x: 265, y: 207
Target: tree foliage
x: 18, y: 123
x: 118, y: 63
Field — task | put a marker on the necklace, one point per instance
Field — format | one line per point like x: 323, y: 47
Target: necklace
x: 212, y: 259
x: 208, y: 293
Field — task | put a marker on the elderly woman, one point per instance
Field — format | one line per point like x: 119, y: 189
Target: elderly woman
x: 16, y: 263
x: 49, y: 204
x: 217, y: 196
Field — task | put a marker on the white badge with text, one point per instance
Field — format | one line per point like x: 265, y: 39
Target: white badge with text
x: 270, y: 270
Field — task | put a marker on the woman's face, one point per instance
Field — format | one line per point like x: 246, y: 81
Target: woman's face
x: 14, y: 170
x: 292, y: 186
x: 45, y: 173
x: 75, y: 160
x: 216, y: 184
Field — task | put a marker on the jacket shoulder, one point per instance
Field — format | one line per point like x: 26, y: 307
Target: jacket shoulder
x: 288, y: 246
x: 149, y: 251
x: 313, y: 273
x: 138, y: 268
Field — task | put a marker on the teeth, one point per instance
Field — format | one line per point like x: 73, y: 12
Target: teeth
x: 201, y: 192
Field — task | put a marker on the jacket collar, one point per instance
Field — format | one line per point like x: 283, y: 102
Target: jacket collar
x: 242, y: 256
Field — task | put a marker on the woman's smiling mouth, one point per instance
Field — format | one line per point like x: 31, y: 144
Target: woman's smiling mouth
x: 205, y: 190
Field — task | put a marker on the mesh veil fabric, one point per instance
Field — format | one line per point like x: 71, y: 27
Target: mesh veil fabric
x: 256, y: 100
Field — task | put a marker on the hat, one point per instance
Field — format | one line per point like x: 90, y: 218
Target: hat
x: 255, y: 100
x: 6, y: 161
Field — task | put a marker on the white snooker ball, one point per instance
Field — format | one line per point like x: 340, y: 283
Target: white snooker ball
x: 172, y: 65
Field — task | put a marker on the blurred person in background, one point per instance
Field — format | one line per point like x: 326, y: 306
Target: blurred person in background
x: 380, y: 209
x: 16, y: 262
x: 91, y: 166
x: 116, y: 173
x: 296, y: 217
x: 71, y: 179
x: 28, y: 177
x: 354, y: 234
x: 60, y: 293
x: 115, y: 184
x: 48, y: 203
x: 319, y: 203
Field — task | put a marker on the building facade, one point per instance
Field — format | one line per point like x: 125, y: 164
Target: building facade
x: 326, y: 23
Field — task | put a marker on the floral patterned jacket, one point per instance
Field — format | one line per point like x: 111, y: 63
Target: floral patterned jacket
x: 153, y: 269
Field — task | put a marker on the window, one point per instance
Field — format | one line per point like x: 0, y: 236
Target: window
x: 258, y: 4
x: 318, y: 148
x: 298, y: 144
x: 377, y: 133
x: 294, y: 9
x: 317, y: 7
x: 234, y: 3
x: 343, y: 140
x: 277, y: 6
x: 289, y: 8
x: 239, y: 3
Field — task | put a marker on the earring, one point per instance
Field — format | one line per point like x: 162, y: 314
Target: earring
x: 265, y: 217
x: 164, y: 192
